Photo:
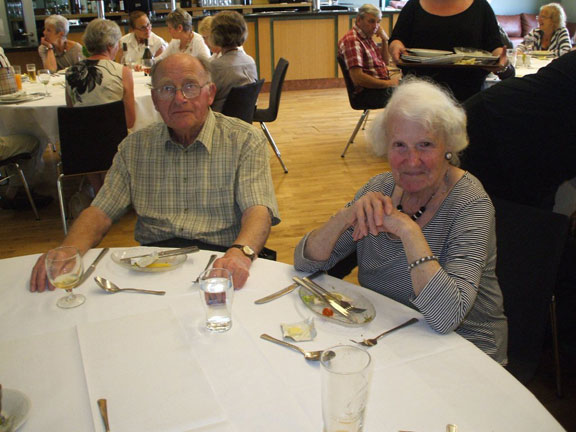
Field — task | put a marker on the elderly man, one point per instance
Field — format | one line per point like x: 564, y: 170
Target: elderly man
x: 365, y: 61
x: 199, y: 177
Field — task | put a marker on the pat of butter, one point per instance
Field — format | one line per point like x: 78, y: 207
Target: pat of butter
x: 300, y: 331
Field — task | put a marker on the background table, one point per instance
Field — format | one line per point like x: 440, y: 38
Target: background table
x: 422, y: 380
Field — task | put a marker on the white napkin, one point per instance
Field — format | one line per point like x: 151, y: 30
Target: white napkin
x: 156, y: 385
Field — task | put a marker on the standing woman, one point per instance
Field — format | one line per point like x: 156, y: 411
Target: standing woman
x: 233, y: 67
x: 551, y: 34
x: 184, y: 39
x: 55, y: 50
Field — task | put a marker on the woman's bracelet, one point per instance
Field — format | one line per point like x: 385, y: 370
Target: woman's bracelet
x: 422, y: 260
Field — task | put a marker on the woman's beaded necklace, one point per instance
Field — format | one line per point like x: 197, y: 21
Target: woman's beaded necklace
x: 422, y: 209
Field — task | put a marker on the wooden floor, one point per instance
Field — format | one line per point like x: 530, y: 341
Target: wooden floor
x: 311, y: 131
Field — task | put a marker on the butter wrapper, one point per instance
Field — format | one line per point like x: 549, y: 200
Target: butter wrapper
x: 300, y: 331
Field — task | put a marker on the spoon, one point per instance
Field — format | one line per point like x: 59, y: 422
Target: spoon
x: 308, y: 355
x: 374, y: 341
x: 210, y: 261
x: 106, y: 285
x: 104, y: 413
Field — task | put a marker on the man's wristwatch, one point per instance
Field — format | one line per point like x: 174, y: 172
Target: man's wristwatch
x: 246, y: 250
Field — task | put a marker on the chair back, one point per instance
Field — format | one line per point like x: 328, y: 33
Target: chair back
x: 89, y: 136
x: 349, y: 84
x: 530, y: 244
x: 271, y: 113
x: 241, y: 101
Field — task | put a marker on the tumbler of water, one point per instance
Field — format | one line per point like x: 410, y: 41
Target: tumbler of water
x: 217, y: 293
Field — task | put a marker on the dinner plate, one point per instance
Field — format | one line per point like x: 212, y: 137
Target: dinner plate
x: 163, y: 264
x: 357, y: 299
x: 16, y: 407
x: 447, y: 59
x: 543, y: 53
x: 19, y: 97
x: 428, y: 52
x: 476, y: 53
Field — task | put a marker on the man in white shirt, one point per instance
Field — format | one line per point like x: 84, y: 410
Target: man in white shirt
x: 141, y: 30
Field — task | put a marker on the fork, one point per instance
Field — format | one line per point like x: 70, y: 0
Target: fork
x: 345, y: 304
x: 374, y: 341
x: 308, y: 355
x: 210, y: 261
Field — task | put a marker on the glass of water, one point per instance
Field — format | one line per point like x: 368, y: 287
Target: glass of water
x: 217, y: 293
x: 44, y: 78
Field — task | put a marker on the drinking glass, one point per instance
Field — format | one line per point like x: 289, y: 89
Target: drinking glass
x: 147, y: 65
x: 17, y: 70
x: 346, y: 376
x: 217, y: 292
x: 511, y: 55
x: 31, y: 71
x: 64, y: 269
x: 44, y: 78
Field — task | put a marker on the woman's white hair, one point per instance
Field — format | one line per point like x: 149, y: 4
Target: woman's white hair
x: 558, y: 15
x: 59, y: 23
x: 100, y: 34
x: 427, y: 104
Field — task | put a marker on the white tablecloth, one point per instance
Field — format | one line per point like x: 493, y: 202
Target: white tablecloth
x: 64, y: 360
x: 40, y: 117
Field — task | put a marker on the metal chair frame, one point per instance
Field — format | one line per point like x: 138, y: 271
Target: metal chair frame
x: 14, y: 162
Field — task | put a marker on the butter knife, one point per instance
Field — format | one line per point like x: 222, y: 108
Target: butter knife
x: 328, y: 300
x: 286, y: 290
x: 171, y: 252
x: 90, y: 269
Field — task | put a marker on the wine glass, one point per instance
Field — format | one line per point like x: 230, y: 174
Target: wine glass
x: 64, y: 269
x: 147, y: 66
x: 44, y: 78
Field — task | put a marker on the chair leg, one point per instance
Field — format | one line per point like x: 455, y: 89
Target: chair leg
x: 27, y: 189
x: 554, y: 329
x: 363, y: 117
x: 365, y: 121
x: 61, y: 201
x: 274, y: 146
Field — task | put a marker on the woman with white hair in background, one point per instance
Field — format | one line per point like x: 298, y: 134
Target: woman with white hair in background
x: 423, y: 233
x: 184, y: 39
x: 55, y: 50
x: 551, y: 33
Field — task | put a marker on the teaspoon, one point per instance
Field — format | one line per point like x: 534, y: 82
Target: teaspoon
x: 106, y: 285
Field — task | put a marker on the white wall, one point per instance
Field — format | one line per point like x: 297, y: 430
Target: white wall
x: 513, y: 7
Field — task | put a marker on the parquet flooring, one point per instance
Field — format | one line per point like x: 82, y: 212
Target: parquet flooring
x: 311, y: 131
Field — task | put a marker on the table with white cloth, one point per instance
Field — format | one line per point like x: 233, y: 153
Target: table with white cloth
x: 161, y: 370
x: 536, y: 64
x: 40, y: 117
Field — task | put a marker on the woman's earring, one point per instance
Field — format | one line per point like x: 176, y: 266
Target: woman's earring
x: 448, y: 156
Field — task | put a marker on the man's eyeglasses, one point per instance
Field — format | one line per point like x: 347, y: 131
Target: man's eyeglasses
x: 189, y: 91
x: 144, y: 27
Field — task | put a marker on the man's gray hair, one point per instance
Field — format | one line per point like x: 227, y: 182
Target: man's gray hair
x: 59, y: 23
x: 369, y: 9
x: 100, y: 34
x: 429, y: 105
x: 180, y: 17
x: 204, y: 61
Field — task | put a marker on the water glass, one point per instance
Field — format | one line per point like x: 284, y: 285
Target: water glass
x: 44, y: 78
x: 511, y: 55
x: 346, y: 376
x: 217, y: 293
x: 31, y: 71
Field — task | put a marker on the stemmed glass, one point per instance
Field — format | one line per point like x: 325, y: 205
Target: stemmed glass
x: 64, y: 269
x: 44, y: 78
x: 147, y: 66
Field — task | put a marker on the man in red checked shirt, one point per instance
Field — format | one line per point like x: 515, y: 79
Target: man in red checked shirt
x: 366, y: 61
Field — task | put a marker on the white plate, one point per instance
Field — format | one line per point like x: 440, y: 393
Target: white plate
x: 16, y: 407
x: 161, y: 265
x: 447, y: 59
x: 476, y: 53
x: 543, y: 53
x: 428, y: 52
x: 19, y: 98
x: 358, y: 300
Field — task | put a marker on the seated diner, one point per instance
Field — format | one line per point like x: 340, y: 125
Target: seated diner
x: 55, y: 50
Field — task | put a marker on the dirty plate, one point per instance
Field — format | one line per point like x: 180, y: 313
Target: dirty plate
x: 16, y: 407
x: 160, y: 265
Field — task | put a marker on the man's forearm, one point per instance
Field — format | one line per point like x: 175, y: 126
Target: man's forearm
x: 256, y: 224
x: 88, y: 230
x: 361, y: 79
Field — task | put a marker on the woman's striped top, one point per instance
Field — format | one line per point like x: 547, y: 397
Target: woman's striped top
x: 559, y: 43
x: 464, y: 296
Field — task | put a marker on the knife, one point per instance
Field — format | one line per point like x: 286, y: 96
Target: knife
x: 90, y: 269
x: 328, y: 300
x: 286, y: 290
x: 171, y: 252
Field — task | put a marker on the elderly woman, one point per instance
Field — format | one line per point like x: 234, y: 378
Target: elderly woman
x: 234, y: 67
x: 205, y: 29
x: 55, y: 50
x: 140, y: 33
x: 551, y: 34
x: 99, y: 79
x: 184, y: 39
x: 423, y: 233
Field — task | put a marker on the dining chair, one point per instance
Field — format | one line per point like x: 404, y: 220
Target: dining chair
x: 89, y: 138
x: 270, y: 114
x: 530, y: 244
x: 241, y: 101
x: 14, y: 162
x: 355, y: 104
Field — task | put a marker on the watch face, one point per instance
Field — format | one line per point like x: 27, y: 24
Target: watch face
x: 248, y: 251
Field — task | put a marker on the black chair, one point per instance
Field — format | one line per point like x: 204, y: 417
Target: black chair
x: 355, y: 104
x: 271, y: 113
x: 241, y: 101
x: 530, y: 245
x: 14, y: 161
x: 89, y: 138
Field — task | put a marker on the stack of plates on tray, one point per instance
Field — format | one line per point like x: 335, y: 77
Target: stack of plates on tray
x: 481, y: 56
x: 19, y: 96
x: 430, y: 56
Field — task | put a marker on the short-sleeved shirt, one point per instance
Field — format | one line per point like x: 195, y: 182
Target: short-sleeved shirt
x: 136, y: 50
x: 197, y: 192
x: 360, y: 50
x: 95, y: 82
x: 196, y: 47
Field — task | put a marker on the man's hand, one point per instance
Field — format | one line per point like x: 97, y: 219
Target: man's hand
x: 38, y: 280
x: 237, y: 264
x: 382, y: 34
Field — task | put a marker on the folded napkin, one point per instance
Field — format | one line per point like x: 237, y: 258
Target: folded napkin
x: 143, y: 366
